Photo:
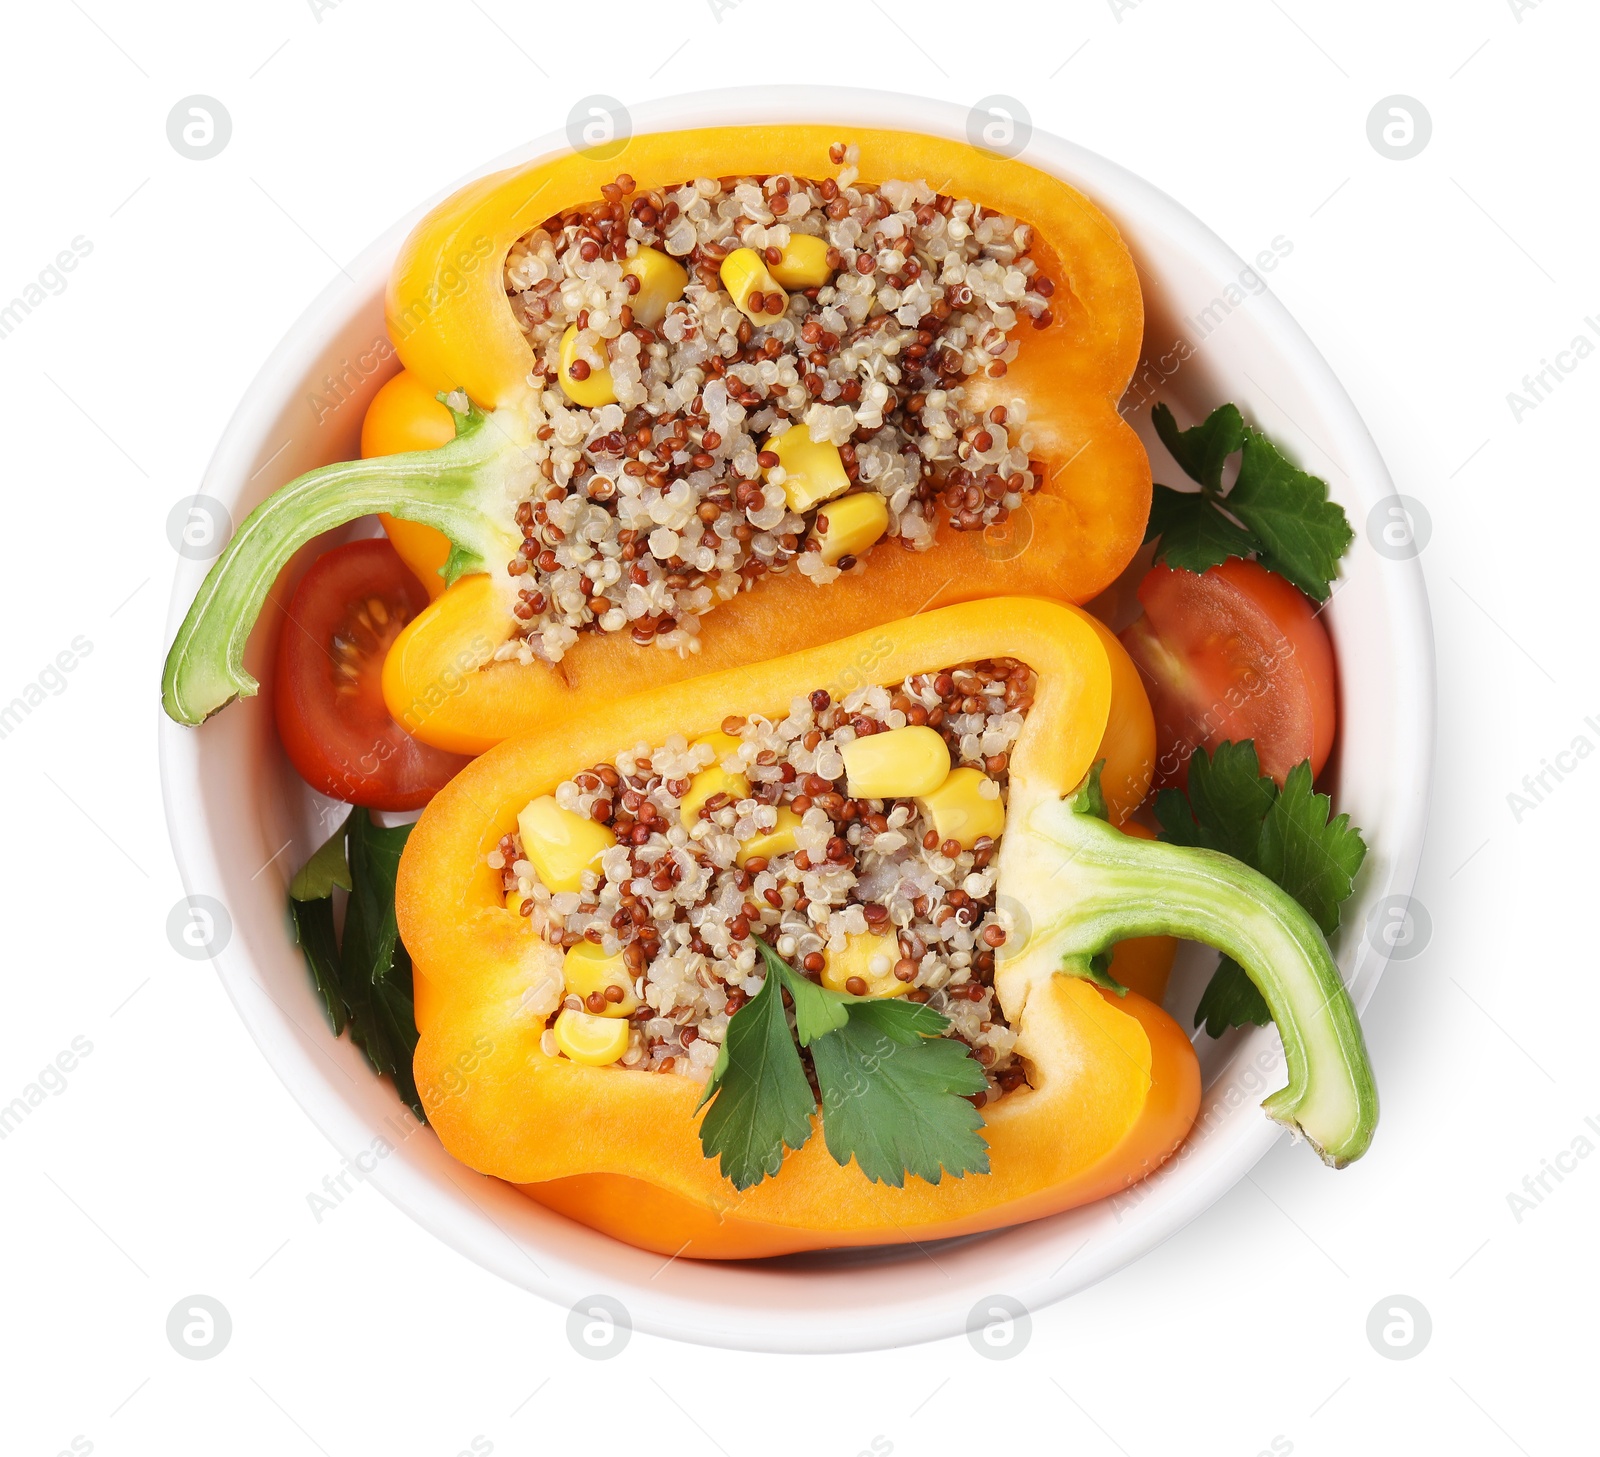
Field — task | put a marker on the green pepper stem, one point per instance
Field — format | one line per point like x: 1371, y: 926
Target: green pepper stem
x: 467, y: 488
x: 1103, y: 887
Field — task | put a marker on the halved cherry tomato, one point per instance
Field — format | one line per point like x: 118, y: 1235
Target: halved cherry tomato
x: 331, y: 716
x: 1234, y: 653
x: 405, y: 415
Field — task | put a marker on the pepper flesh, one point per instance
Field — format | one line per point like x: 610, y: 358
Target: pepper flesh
x: 404, y: 415
x: 1114, y: 1083
x: 454, y: 330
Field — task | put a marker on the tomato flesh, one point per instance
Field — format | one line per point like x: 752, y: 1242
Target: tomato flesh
x: 1234, y: 653
x: 331, y: 716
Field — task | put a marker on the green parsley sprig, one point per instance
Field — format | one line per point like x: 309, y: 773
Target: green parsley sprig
x: 1285, y: 834
x: 894, y: 1092
x: 1275, y: 511
x: 365, y: 979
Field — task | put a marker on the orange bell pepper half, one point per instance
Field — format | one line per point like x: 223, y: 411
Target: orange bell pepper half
x: 1113, y: 1083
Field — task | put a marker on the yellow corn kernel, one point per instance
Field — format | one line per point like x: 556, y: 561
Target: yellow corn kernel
x: 851, y: 524
x: 779, y: 840
x: 661, y: 282
x: 870, y: 957
x: 751, y: 286
x: 720, y: 743
x: 960, y: 813
x: 812, y: 473
x: 897, y: 764
x: 805, y: 262
x: 588, y: 970
x: 594, y: 389
x: 593, y: 1041
x: 713, y: 779
x: 561, y: 845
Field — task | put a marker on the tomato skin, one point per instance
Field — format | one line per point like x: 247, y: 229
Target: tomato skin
x: 1234, y: 653
x: 332, y: 720
x: 405, y: 415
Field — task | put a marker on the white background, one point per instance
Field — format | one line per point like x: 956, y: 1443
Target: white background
x: 174, y: 1163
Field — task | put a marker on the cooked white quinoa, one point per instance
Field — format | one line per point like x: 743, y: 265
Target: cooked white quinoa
x: 682, y: 912
x: 654, y: 509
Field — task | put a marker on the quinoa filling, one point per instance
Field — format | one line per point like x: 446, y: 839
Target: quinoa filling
x: 680, y: 898
x: 656, y: 504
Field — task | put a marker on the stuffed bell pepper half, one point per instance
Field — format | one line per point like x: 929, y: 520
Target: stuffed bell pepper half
x: 817, y: 952
x: 727, y: 394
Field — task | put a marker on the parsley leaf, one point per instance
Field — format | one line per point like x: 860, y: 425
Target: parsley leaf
x: 313, y: 933
x: 1302, y: 533
x: 895, y: 1099
x: 1231, y: 1000
x: 1227, y: 802
x: 1274, y: 511
x: 324, y: 870
x: 377, y: 967
x: 763, y: 1103
x: 1195, y: 533
x: 1312, y: 857
x: 894, y: 1091
x: 363, y: 978
x: 370, y: 933
x: 817, y: 1010
x: 1287, y: 835
x: 1203, y: 450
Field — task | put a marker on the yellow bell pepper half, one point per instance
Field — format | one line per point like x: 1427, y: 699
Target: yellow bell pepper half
x: 452, y: 326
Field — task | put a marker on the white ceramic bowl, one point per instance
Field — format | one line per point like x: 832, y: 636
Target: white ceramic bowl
x: 232, y: 800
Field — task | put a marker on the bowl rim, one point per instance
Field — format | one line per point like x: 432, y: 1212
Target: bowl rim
x: 415, y: 1185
